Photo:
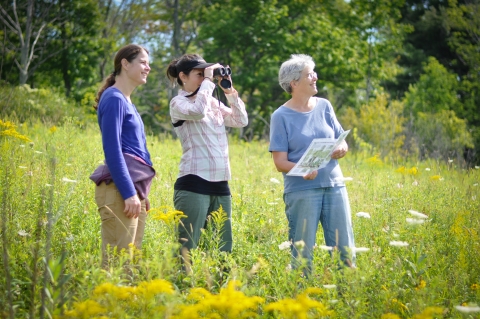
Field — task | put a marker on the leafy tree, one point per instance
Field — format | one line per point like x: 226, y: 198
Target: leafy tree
x: 463, y: 27
x: 434, y: 128
x: 379, y: 124
x: 441, y: 135
x: 28, y: 24
x: 435, y: 91
x: 77, y: 43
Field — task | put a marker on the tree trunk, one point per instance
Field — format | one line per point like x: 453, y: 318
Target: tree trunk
x: 25, y: 45
x: 65, y: 62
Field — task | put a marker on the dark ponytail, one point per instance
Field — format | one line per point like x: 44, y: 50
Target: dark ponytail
x: 172, y: 69
x: 129, y: 53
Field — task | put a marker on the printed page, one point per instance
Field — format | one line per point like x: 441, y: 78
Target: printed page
x: 317, y: 155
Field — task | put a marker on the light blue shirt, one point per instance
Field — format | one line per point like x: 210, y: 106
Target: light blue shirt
x: 292, y: 132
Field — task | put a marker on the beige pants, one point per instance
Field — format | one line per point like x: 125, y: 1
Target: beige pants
x: 118, y: 231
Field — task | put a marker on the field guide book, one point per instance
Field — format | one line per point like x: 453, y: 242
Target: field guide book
x: 317, y: 155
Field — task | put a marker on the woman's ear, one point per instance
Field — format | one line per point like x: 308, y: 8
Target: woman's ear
x: 293, y: 84
x: 124, y: 63
x: 183, y: 77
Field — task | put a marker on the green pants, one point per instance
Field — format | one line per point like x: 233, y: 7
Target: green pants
x: 198, y: 207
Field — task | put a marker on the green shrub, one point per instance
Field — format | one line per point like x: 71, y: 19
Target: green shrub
x: 441, y: 135
x: 378, y: 125
x: 23, y: 103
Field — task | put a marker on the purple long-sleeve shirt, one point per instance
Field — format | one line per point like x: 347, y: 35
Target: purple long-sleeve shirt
x: 122, y: 132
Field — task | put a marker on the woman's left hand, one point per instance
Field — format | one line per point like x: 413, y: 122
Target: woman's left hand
x: 311, y: 176
x: 341, y: 151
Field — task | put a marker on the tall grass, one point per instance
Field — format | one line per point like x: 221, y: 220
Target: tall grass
x: 51, y: 240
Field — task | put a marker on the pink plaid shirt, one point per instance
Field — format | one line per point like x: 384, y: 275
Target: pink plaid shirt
x: 203, y: 136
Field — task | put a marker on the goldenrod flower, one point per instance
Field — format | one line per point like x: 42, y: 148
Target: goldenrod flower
x: 375, y: 160
x: 300, y: 307
x: 401, y: 170
x: 421, y: 285
x: 229, y: 303
x: 85, y: 309
x: 167, y: 214
x: 428, y: 313
x: 413, y: 171
x: 9, y: 129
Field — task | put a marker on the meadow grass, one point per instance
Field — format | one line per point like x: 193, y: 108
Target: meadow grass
x: 51, y: 239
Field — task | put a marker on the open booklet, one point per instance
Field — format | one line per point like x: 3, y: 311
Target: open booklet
x: 317, y: 155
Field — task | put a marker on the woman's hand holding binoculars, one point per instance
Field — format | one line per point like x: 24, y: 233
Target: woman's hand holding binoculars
x: 222, y: 74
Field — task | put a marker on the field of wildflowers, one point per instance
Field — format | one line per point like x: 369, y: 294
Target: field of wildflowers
x: 416, y: 228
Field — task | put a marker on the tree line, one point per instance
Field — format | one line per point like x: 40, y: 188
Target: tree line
x: 404, y: 73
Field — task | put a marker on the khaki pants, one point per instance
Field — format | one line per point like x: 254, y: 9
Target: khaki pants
x: 118, y: 231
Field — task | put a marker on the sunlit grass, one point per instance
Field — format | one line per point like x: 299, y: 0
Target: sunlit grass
x: 416, y: 227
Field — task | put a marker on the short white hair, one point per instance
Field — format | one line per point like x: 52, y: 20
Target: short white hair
x: 291, y: 70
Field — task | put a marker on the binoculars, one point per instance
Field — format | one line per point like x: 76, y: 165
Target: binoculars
x: 222, y: 72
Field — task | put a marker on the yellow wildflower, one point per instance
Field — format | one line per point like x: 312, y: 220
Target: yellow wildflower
x: 85, y: 309
x: 413, y: 171
x: 428, y: 313
x: 421, y: 285
x: 374, y: 160
x: 475, y: 286
x: 149, y: 289
x: 389, y: 316
x: 400, y: 304
x: 7, y: 128
x: 435, y: 177
x: 299, y: 307
x: 53, y: 129
x: 229, y: 303
x: 167, y: 214
x: 401, y: 170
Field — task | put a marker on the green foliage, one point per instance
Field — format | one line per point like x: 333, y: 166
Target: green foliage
x: 441, y: 135
x: 380, y: 124
x: 435, y: 90
x: 437, y: 270
x: 48, y: 105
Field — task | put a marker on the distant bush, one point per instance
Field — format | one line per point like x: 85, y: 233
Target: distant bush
x: 23, y: 103
x: 440, y: 135
x: 378, y: 126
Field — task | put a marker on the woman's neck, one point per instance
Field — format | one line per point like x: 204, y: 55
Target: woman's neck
x: 125, y: 87
x: 300, y: 103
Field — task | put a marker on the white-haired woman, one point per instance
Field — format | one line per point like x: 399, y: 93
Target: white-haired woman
x: 316, y: 197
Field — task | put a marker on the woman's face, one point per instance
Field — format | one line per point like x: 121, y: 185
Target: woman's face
x: 193, y: 80
x: 307, y: 84
x: 138, y: 69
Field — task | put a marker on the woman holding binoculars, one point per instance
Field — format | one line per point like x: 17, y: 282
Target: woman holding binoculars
x: 199, y: 120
